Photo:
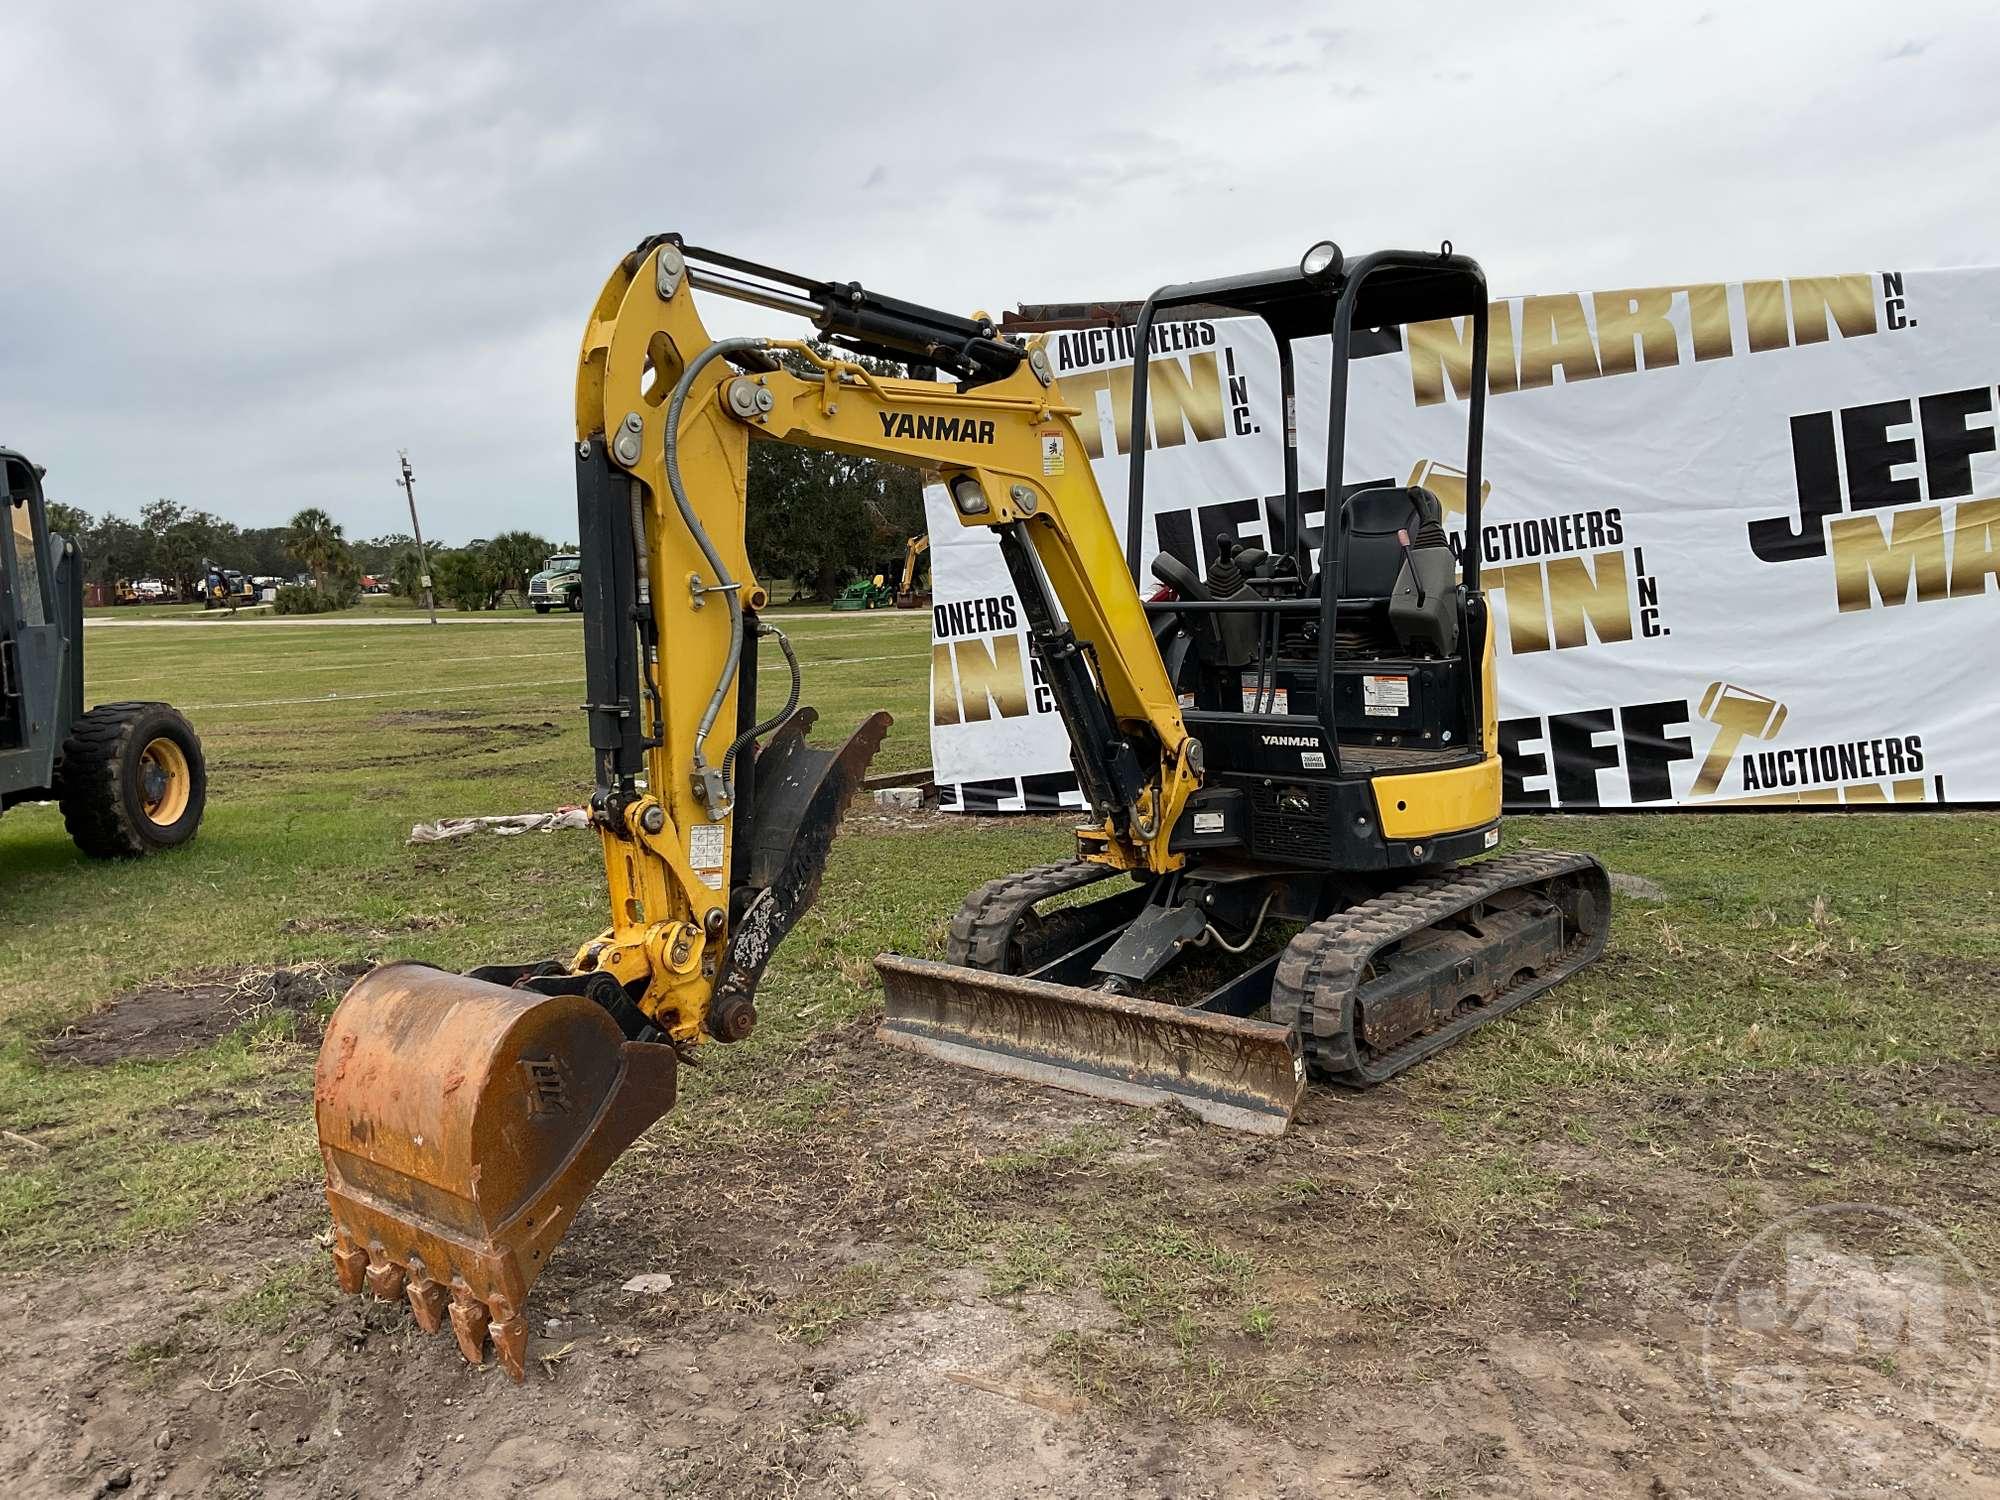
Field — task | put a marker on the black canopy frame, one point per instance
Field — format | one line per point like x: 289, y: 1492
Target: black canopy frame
x: 1385, y: 289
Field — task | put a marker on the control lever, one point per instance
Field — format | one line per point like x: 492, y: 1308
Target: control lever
x: 1409, y: 561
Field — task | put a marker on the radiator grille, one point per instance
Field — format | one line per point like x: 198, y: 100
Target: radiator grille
x: 1281, y: 828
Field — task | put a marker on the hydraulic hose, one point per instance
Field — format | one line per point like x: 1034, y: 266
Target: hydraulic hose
x: 1212, y: 933
x: 712, y: 786
x: 639, y: 545
x: 755, y: 731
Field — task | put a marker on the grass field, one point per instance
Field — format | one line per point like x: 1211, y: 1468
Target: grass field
x: 324, y: 746
x: 384, y: 606
x: 1806, y: 1015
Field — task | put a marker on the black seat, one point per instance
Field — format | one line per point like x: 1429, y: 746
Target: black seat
x: 1371, y: 554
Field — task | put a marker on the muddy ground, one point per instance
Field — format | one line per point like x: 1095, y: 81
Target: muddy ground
x: 892, y: 1279
x: 167, y: 1020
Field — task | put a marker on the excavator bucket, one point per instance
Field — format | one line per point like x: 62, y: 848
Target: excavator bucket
x: 462, y: 1123
x: 1247, y: 1075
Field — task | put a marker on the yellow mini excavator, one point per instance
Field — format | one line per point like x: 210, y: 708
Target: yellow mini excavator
x: 914, y: 550
x: 1289, y: 755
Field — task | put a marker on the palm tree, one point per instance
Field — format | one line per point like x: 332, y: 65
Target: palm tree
x: 517, y: 556
x: 315, y: 538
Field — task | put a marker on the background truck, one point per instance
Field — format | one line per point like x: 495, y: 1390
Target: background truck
x: 558, y: 585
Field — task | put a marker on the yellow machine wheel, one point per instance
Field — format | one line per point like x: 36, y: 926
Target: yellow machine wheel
x: 166, y: 781
x: 132, y: 780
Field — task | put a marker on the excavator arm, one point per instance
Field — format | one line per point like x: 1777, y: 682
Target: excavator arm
x: 665, y: 416
x: 913, y: 556
x: 462, y: 1118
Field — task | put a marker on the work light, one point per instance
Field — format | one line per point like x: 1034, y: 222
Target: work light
x: 967, y: 495
x: 1321, y: 263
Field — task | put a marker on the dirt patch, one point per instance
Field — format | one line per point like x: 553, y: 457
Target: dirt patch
x: 894, y: 1278
x: 540, y: 730
x: 1637, y: 886
x: 400, y: 718
x: 463, y: 723
x: 169, y: 1020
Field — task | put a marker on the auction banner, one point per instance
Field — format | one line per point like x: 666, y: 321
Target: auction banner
x: 1740, y: 539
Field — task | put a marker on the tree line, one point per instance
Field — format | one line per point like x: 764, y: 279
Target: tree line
x: 816, y: 519
x: 177, y: 545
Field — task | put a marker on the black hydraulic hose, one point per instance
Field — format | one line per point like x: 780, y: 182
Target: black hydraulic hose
x: 757, y: 730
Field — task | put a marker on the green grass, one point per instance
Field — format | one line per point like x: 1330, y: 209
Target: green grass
x: 1783, y: 1027
x: 324, y: 746
x: 289, y: 1288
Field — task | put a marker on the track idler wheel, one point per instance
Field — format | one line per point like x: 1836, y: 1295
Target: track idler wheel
x: 461, y: 1124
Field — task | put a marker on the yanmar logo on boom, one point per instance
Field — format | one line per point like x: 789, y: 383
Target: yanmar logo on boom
x: 926, y: 427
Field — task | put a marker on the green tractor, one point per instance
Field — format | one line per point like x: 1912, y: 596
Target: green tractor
x: 867, y: 593
x: 130, y: 776
x: 558, y: 585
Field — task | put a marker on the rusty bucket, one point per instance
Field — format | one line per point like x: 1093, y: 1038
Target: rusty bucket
x: 462, y: 1123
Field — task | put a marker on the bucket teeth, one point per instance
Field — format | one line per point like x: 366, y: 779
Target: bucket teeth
x: 385, y: 1277
x: 427, y: 1302
x: 461, y: 1122
x: 469, y: 1319
x: 510, y: 1342
x: 350, y: 1265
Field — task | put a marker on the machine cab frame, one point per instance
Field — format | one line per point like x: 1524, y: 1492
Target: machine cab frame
x: 1325, y: 297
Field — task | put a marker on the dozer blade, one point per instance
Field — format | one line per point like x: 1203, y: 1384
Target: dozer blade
x: 1247, y: 1075
x: 462, y: 1123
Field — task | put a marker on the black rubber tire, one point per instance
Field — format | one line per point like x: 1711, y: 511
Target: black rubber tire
x: 99, y: 780
x: 575, y: 603
x: 541, y: 609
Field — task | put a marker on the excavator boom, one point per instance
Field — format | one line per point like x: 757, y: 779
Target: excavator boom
x: 463, y: 1118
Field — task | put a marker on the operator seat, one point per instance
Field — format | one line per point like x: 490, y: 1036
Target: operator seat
x: 1371, y: 554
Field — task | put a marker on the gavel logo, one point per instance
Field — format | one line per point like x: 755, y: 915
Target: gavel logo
x: 1737, y: 714
x: 1448, y: 484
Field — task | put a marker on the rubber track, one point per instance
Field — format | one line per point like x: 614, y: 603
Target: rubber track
x: 1325, y: 961
x: 981, y: 932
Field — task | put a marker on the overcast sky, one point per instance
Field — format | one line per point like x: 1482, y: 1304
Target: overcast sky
x: 249, y: 250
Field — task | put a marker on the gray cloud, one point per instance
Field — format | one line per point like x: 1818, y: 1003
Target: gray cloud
x: 251, y: 250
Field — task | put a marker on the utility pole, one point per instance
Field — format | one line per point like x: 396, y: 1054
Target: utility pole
x: 423, y: 557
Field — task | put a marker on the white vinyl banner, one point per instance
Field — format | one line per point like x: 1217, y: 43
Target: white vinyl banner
x: 1741, y: 539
